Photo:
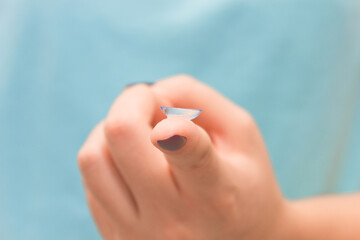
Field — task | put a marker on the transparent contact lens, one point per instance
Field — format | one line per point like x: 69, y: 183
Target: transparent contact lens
x: 186, y: 113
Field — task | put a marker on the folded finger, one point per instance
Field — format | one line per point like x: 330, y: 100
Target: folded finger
x: 102, y: 179
x: 104, y: 223
x: 127, y: 128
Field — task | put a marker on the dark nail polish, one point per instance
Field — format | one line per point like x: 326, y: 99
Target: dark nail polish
x: 172, y: 143
x: 135, y: 83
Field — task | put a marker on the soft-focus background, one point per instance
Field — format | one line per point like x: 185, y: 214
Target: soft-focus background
x: 294, y: 64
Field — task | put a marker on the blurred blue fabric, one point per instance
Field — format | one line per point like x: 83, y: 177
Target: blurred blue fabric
x: 295, y: 65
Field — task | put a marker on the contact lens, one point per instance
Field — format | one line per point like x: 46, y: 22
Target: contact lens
x: 186, y: 113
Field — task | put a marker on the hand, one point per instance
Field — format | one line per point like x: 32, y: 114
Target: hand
x: 213, y: 180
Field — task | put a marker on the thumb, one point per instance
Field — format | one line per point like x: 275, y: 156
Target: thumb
x: 189, y: 152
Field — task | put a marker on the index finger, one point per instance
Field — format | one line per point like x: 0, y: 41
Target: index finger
x: 219, y: 115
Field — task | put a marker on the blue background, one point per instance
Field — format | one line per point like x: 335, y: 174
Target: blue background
x: 294, y: 64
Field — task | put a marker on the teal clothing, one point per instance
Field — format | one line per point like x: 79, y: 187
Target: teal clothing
x: 295, y: 65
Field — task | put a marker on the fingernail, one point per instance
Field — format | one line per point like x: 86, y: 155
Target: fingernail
x: 135, y: 83
x: 172, y: 143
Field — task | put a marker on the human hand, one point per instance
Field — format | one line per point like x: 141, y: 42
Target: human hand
x: 218, y: 184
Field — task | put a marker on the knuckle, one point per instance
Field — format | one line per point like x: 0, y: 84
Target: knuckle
x: 117, y: 127
x: 174, y: 231
x: 225, y: 204
x: 184, y: 79
x: 87, y: 159
x: 247, y: 121
x: 137, y: 87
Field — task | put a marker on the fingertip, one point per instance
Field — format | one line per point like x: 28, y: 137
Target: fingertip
x: 172, y: 134
x: 172, y: 143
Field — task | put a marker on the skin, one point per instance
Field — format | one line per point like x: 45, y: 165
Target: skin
x: 218, y: 185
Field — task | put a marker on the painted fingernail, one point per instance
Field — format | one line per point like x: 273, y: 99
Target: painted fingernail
x: 172, y: 143
x: 135, y: 83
